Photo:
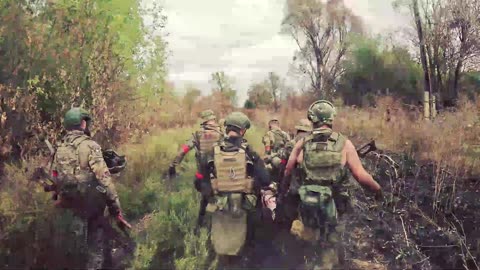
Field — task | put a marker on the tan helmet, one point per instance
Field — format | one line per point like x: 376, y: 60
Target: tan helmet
x: 304, y: 125
x: 272, y: 120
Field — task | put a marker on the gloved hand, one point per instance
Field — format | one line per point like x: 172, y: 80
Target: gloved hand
x: 114, y: 207
x: 121, y: 222
x: 172, y: 172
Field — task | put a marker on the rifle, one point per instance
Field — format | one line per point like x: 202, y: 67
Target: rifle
x: 39, y: 175
x: 363, y: 150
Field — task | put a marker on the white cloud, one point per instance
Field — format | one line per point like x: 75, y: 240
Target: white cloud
x: 241, y: 37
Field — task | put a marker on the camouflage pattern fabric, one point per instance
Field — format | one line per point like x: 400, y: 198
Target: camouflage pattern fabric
x: 85, y: 187
x: 275, y: 139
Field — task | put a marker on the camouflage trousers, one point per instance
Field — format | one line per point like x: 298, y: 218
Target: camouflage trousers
x: 79, y: 243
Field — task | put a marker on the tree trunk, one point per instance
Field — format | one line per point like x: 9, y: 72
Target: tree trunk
x: 456, y: 78
x: 423, y: 54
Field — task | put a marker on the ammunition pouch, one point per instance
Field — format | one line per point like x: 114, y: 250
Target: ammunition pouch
x: 317, y: 207
x: 87, y: 199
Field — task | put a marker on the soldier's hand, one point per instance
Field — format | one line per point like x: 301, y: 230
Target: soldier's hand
x: 172, y: 172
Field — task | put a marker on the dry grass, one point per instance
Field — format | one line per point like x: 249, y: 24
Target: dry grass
x: 449, y: 140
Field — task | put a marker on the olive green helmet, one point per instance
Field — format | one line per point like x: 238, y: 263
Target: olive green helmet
x: 304, y: 125
x: 74, y: 117
x: 207, y: 115
x: 321, y: 112
x: 237, y: 119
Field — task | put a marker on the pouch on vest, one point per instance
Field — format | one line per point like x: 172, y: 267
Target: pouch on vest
x: 317, y: 206
x: 231, y: 172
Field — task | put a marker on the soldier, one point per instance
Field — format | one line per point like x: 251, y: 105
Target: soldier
x: 275, y: 141
x: 239, y: 175
x: 323, y: 155
x: 289, y: 203
x: 84, y: 184
x: 203, y: 141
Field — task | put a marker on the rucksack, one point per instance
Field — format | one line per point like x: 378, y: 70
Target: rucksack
x: 66, y: 164
x: 206, y: 139
x: 280, y: 139
x: 321, y: 169
x: 322, y: 157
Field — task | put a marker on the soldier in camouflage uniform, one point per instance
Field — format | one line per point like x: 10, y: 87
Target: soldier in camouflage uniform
x: 290, y: 197
x: 84, y: 184
x: 323, y: 157
x: 202, y: 141
x: 239, y: 175
x: 275, y: 141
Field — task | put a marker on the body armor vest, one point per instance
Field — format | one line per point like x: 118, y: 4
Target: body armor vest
x: 231, y: 171
x: 322, y: 157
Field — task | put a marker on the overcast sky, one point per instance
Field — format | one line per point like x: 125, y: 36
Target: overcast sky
x: 241, y: 37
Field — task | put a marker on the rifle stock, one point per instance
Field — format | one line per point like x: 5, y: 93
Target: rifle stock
x: 363, y: 150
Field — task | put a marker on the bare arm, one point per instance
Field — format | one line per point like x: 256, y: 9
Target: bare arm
x: 292, y: 160
x: 355, y: 165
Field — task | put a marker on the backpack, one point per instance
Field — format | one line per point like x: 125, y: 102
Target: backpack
x: 321, y: 169
x: 206, y: 139
x: 231, y: 171
x: 66, y: 163
x: 322, y: 157
x: 280, y: 139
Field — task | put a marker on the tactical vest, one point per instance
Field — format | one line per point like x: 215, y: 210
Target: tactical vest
x: 206, y: 139
x: 279, y: 140
x: 67, y: 164
x: 231, y: 171
x: 322, y: 157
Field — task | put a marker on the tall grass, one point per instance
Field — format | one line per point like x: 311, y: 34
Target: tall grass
x: 450, y: 140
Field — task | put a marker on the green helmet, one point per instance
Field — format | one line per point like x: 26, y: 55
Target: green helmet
x: 207, y: 115
x: 237, y: 119
x: 321, y: 112
x: 74, y: 117
x: 304, y: 125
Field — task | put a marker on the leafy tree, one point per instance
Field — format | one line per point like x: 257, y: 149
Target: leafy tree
x: 321, y: 32
x: 371, y: 71
x: 447, y: 38
x: 259, y: 94
x: 223, y: 83
x: 275, y: 86
x: 98, y: 54
x: 249, y: 104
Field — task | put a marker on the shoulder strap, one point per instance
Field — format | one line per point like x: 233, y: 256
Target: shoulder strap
x: 78, y: 140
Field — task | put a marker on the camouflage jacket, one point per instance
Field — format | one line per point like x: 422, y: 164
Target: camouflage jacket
x: 274, y: 140
x: 79, y: 159
x: 202, y: 141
